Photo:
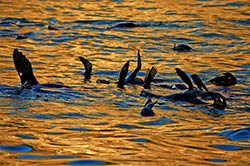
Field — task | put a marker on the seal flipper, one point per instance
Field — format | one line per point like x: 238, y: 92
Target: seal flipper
x: 133, y: 74
x: 151, y: 72
x: 88, y: 67
x: 122, y: 75
x: 147, y: 102
x: 24, y: 69
x: 199, y: 82
x: 184, y: 78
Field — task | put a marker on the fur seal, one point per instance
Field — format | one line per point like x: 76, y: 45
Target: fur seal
x: 124, y: 25
x: 182, y: 48
x: 224, y: 79
x: 147, y: 109
x: 52, y: 28
x: 191, y: 95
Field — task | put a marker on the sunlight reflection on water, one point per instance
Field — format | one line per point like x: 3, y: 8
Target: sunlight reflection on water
x: 100, y: 124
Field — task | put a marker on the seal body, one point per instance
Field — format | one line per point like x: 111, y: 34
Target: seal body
x: 224, y: 79
x: 147, y: 109
x: 124, y: 25
x: 182, y: 48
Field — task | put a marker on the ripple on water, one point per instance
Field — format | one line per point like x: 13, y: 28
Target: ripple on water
x: 77, y: 129
x: 16, y: 148
x: 86, y: 162
x: 45, y: 156
x: 216, y: 160
x: 161, y: 121
x: 227, y: 147
x: 237, y: 135
x: 221, y: 37
x: 24, y: 136
x: 242, y: 22
x: 125, y: 126
x: 140, y: 140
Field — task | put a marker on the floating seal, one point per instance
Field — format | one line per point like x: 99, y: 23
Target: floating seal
x: 182, y: 48
x: 191, y: 95
x: 147, y: 109
x: 52, y: 28
x: 124, y: 25
x: 224, y: 79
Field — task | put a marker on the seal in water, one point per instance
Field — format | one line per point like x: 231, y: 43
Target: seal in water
x: 25, y: 72
x: 147, y: 109
x: 224, y: 79
x: 191, y: 95
x: 124, y: 25
x: 52, y: 28
x: 182, y: 48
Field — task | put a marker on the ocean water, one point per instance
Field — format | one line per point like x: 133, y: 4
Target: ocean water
x: 99, y: 124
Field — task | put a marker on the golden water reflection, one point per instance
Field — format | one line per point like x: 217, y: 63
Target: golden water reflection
x: 101, y: 122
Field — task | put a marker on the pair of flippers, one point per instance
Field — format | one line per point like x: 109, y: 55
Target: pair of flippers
x: 124, y: 76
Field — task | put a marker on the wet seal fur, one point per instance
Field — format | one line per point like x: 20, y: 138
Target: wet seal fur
x: 124, y: 25
x: 191, y: 95
x: 182, y: 48
x: 147, y: 109
x: 224, y: 79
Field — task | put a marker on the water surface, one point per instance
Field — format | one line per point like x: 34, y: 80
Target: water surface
x: 99, y: 124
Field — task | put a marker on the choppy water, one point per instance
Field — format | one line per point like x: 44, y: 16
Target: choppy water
x: 98, y: 124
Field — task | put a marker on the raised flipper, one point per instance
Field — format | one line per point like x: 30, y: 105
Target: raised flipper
x: 151, y: 72
x: 122, y: 75
x: 24, y: 69
x: 184, y: 78
x: 147, y: 109
x: 88, y: 67
x: 199, y: 82
x: 133, y: 74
